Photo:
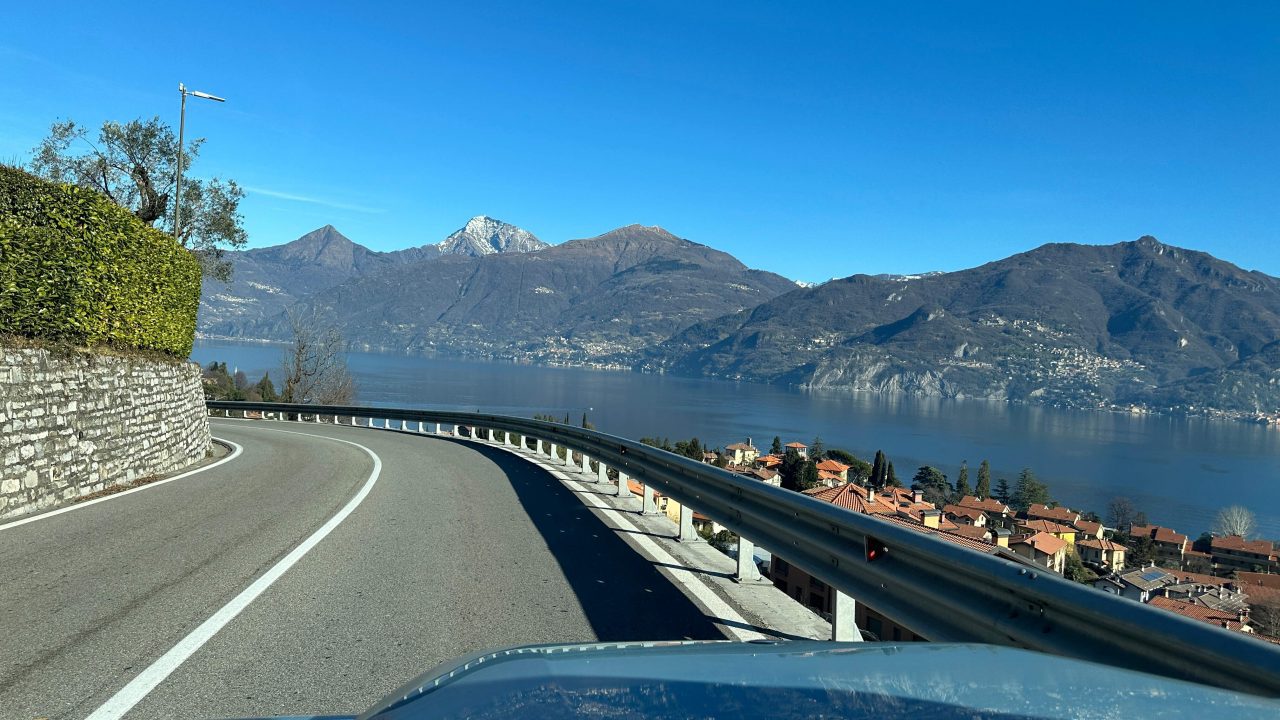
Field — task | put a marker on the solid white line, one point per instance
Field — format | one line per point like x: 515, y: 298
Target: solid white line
x: 148, y: 679
x: 236, y: 450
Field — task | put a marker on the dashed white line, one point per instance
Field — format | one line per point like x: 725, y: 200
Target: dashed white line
x: 146, y: 681
x: 235, y: 452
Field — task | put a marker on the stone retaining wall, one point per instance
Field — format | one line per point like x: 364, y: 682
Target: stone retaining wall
x: 73, y: 425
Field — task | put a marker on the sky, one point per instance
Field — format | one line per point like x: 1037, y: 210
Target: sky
x: 813, y: 139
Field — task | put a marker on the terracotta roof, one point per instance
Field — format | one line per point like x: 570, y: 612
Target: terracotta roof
x: 1198, y: 612
x: 1063, y: 514
x: 850, y: 496
x: 960, y: 540
x: 1235, y: 542
x: 1199, y: 578
x: 1047, y: 526
x: 1270, y: 580
x: 824, y: 475
x: 971, y: 531
x: 740, y: 446
x: 1088, y: 527
x: 765, y: 474
x: 1101, y: 544
x: 960, y: 510
x: 985, y: 504
x: 1159, y: 534
x: 1044, y: 542
x: 769, y: 460
x: 796, y: 445
x: 1196, y: 553
x: 832, y: 466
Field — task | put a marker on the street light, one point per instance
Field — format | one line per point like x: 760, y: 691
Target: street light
x: 182, y: 124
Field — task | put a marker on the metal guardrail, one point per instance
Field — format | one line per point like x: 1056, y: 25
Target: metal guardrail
x: 943, y: 591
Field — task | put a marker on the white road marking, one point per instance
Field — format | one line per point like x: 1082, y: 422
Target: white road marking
x: 146, y: 681
x: 236, y: 450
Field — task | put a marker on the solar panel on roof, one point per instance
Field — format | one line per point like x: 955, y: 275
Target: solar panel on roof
x: 1151, y: 575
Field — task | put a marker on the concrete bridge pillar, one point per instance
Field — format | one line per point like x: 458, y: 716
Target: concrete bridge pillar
x: 624, y: 490
x: 843, y: 627
x: 687, y: 533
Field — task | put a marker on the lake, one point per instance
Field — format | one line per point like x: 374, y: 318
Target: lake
x: 1180, y: 471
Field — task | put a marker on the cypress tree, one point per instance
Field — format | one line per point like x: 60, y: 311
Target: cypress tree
x: 776, y: 447
x: 984, y: 480
x: 891, y: 477
x: 962, y: 482
x: 877, y: 471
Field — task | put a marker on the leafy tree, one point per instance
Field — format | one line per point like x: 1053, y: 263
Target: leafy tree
x: 1141, y: 551
x: 1234, y: 520
x: 891, y: 477
x: 266, y: 389
x: 1204, y: 543
x: 134, y: 165
x: 722, y: 458
x: 1264, y: 616
x: 933, y: 484
x: 1074, y: 569
x: 859, y: 470
x: 315, y: 367
x: 776, y: 447
x: 1028, y: 491
x: 816, y: 448
x: 691, y: 449
x: 983, y: 490
x: 791, y: 469
x: 809, y: 476
x: 962, y: 481
x: 1002, y: 491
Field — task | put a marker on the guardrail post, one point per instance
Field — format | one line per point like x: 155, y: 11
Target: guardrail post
x: 568, y: 456
x: 747, y: 570
x: 602, y: 472
x: 538, y: 449
x: 493, y: 437
x: 624, y: 489
x: 687, y: 533
x: 843, y: 627
x: 586, y: 464
x: 648, y: 506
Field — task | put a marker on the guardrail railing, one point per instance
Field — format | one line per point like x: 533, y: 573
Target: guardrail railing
x: 943, y: 591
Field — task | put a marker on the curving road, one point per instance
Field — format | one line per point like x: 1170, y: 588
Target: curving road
x: 417, y: 550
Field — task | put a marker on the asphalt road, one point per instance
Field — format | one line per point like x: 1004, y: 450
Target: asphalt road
x: 455, y: 548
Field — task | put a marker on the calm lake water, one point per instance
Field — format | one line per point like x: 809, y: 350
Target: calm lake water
x: 1180, y: 471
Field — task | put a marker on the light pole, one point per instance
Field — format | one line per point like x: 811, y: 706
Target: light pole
x: 182, y: 124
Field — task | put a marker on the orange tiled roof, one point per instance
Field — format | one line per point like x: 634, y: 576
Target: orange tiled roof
x: 796, y: 445
x: 740, y: 446
x: 1044, y: 542
x: 850, y: 497
x: 1235, y: 542
x: 1159, y: 534
x: 1048, y: 526
x: 1063, y: 514
x: 969, y: 512
x: 970, y: 531
x: 832, y: 466
x: 824, y: 475
x: 1198, y: 578
x: 1088, y: 527
x: 985, y: 504
x: 1198, y: 612
x: 970, y: 543
x: 1270, y: 580
x: 1101, y: 544
x: 769, y: 460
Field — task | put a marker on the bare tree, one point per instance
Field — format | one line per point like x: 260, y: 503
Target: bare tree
x: 1234, y: 520
x: 315, y: 367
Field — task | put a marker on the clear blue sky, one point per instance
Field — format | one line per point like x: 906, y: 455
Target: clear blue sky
x: 813, y: 139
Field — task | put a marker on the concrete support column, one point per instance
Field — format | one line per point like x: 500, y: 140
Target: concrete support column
x: 747, y: 570
x: 687, y: 533
x: 437, y: 428
x: 568, y: 457
x: 493, y: 437
x: 648, y: 504
x: 843, y: 627
x: 553, y: 450
x: 624, y: 490
x: 538, y: 449
x: 602, y: 473
x: 586, y: 465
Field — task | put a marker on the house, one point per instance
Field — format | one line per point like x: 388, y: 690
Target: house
x: 1101, y: 553
x: 962, y: 515
x: 829, y: 479
x: 1237, y: 621
x: 770, y: 462
x: 834, y: 467
x: 1139, y: 584
x: 1090, y: 529
x: 710, y: 458
x: 1235, y: 553
x: 766, y: 476
x: 1168, y: 546
x: 801, y: 449
x: 1062, y: 515
x: 1065, y: 533
x: 998, y: 514
x: 1043, y: 549
x: 742, y: 453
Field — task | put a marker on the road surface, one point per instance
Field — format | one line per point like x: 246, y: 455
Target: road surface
x: 413, y: 550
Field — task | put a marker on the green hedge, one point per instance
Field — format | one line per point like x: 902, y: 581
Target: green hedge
x: 75, y: 267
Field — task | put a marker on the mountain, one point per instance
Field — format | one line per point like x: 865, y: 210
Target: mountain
x: 1132, y: 323
x: 610, y: 296
x: 484, y: 236
x: 267, y: 280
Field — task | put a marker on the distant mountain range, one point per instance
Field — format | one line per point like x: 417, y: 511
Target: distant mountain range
x: 1136, y: 323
